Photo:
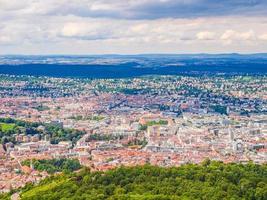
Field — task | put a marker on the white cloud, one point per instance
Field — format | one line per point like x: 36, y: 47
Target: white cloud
x: 263, y: 37
x: 235, y: 35
x: 5, y: 40
x: 206, y: 35
x: 53, y: 27
x: 81, y: 29
x: 230, y: 36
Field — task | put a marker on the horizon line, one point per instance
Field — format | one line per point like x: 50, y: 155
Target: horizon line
x: 138, y: 54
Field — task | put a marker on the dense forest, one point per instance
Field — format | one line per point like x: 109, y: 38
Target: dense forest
x: 209, y: 181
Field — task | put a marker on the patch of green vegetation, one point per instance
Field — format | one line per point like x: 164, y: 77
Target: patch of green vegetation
x: 137, y: 142
x: 143, y: 127
x: 54, y: 165
x: 101, y: 137
x: 160, y: 122
x: 219, y: 109
x: 7, y: 127
x: 42, y: 108
x: 10, y: 127
x: 97, y: 118
x: 5, y: 196
x: 210, y: 180
x: 246, y: 78
x: 93, y: 118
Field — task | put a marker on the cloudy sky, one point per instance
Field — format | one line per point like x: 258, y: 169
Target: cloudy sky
x: 132, y: 26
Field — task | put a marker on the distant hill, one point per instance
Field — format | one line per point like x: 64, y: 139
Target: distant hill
x: 117, y: 66
x: 208, y: 181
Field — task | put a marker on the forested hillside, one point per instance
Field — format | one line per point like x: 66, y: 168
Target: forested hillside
x: 210, y: 180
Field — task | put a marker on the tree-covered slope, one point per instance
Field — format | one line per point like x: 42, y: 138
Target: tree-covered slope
x: 209, y: 181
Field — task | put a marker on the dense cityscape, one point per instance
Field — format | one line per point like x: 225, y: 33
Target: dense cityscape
x: 133, y: 100
x: 106, y: 123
